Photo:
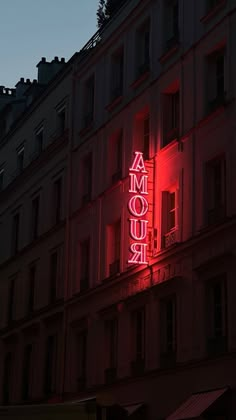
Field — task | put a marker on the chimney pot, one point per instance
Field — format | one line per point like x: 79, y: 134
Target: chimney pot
x: 22, y: 79
x: 43, y: 59
x: 56, y: 58
x: 28, y: 81
x: 62, y: 59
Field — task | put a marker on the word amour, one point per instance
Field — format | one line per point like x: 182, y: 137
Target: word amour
x: 138, y: 208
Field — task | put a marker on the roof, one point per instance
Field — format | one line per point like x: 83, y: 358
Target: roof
x: 195, y: 405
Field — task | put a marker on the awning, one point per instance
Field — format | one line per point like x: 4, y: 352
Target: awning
x: 195, y: 405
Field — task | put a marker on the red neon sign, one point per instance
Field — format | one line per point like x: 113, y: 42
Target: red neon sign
x: 138, y: 207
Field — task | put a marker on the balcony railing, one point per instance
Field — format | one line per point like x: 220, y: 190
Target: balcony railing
x: 170, y: 238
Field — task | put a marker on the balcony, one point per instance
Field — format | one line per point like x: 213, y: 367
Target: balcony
x: 170, y: 238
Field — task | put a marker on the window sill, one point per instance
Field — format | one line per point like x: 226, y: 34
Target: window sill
x: 212, y: 12
x: 141, y: 79
x: 115, y: 102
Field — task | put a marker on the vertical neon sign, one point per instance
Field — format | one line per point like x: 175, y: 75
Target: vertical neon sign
x: 138, y: 208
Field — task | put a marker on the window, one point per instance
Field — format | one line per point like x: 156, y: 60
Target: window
x: 57, y: 200
x: 138, y: 324
x: 143, y: 49
x: 89, y: 101
x: 169, y: 217
x: 31, y: 288
x: 114, y: 232
x: 117, y: 70
x: 111, y: 330
x: 20, y: 159
x: 215, y: 190
x: 35, y: 218
x: 84, y: 264
x: 50, y: 365
x: 54, y: 274
x: 81, y: 348
x: 216, y: 315
x: 11, y: 298
x: 216, y: 88
x: 39, y: 140
x: 172, y: 23
x: 15, y: 233
x: 7, y: 378
x: 1, y: 179
x: 168, y: 331
x: 26, y: 371
x: 171, y: 116
x: 116, y: 151
x: 87, y: 179
x: 61, y: 120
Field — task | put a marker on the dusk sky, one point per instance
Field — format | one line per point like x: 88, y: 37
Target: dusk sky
x: 31, y: 29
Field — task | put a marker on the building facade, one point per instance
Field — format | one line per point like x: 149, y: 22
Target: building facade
x: 117, y: 218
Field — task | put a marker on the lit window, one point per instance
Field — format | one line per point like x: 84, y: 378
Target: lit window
x: 169, y: 217
x: 215, y: 190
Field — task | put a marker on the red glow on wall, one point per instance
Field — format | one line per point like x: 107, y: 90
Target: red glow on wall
x: 138, y: 207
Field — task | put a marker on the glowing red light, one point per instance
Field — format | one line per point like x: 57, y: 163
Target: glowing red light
x: 138, y: 207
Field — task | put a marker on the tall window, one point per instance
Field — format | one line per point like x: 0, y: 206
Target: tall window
x: 169, y: 217
x: 7, y: 378
x: 114, y: 237
x: 216, y: 87
x: 39, y: 140
x: 81, y: 345
x: 84, y: 264
x: 61, y: 120
x: 172, y: 23
x: 217, y: 314
x: 31, y: 288
x: 215, y: 190
x: 54, y: 274
x: 87, y: 168
x: 11, y: 298
x: 15, y: 233
x: 1, y: 179
x: 143, y: 48
x: 111, y: 330
x: 117, y: 68
x: 146, y: 137
x: 26, y: 371
x: 89, y: 101
x: 138, y: 324
x: 50, y: 365
x: 35, y: 218
x: 171, y: 117
x: 57, y: 200
x: 168, y: 330
x: 20, y: 159
x: 116, y: 151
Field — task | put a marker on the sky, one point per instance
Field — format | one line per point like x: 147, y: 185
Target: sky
x: 31, y: 29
